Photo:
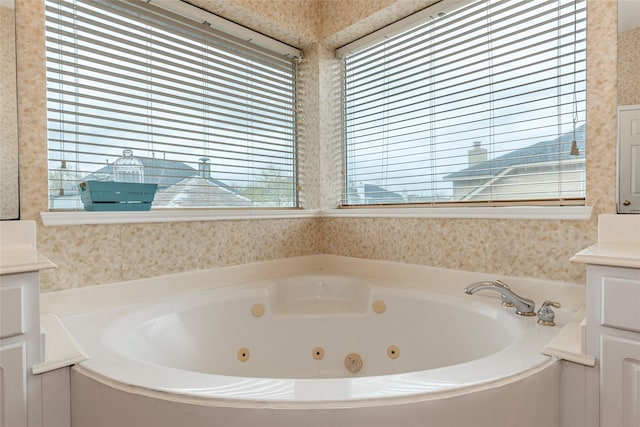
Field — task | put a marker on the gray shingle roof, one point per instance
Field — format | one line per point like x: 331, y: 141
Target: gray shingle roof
x: 375, y: 193
x: 540, y: 152
x: 196, y: 192
x: 165, y: 173
x: 156, y: 171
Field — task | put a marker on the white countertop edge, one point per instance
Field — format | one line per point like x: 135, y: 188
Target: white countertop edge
x: 60, y: 218
x: 29, y: 265
x: 611, y: 261
x: 618, y: 242
x: 615, y: 254
x: 18, y: 252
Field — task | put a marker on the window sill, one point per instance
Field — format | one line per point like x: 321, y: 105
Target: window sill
x: 51, y: 219
x: 581, y: 213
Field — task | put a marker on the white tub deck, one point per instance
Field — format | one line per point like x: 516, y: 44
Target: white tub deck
x: 101, y: 318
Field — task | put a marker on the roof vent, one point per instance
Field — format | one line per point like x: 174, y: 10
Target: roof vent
x: 204, y: 167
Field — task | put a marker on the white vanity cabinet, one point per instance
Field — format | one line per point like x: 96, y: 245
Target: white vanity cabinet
x: 20, y: 340
x: 613, y: 336
x: 613, y: 322
x: 19, y: 349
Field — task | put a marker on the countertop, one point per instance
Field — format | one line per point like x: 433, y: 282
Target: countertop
x: 614, y: 254
x: 18, y: 248
x: 618, y: 246
x: 618, y: 242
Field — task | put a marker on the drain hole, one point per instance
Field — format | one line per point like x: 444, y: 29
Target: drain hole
x: 353, y: 362
x: 243, y: 354
x: 317, y: 353
x: 393, y: 352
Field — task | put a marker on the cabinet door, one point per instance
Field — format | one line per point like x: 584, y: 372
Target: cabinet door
x: 13, y: 385
x: 620, y: 382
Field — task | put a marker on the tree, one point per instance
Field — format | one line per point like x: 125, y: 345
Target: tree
x: 273, y: 188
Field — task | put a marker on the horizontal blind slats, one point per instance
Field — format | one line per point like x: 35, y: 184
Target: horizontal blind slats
x: 230, y: 82
x: 529, y: 90
x: 176, y: 32
x: 457, y: 28
x: 539, y: 48
x: 279, y: 120
x: 157, y: 52
x: 505, y: 85
x: 211, y: 117
x: 450, y: 36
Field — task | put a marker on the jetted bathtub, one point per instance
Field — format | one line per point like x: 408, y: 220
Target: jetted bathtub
x: 314, y: 350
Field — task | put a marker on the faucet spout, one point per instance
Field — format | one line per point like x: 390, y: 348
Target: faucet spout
x: 524, y: 306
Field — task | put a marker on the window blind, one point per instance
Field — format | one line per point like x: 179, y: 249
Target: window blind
x: 209, y: 115
x: 483, y: 103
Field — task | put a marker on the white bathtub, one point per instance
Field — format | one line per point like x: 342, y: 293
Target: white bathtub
x: 273, y: 352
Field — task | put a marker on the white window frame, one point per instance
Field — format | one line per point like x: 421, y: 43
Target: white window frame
x: 183, y: 13
x: 448, y: 207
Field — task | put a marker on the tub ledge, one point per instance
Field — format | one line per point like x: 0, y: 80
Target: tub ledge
x: 60, y: 348
x: 568, y: 344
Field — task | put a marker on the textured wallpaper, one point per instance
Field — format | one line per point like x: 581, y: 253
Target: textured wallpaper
x: 9, y: 208
x: 89, y: 255
x: 93, y: 254
x: 629, y: 67
x: 512, y: 247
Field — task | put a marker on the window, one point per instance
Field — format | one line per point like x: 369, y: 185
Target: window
x: 210, y: 116
x: 480, y: 104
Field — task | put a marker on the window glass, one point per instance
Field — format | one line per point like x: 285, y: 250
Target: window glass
x: 484, y: 103
x: 209, y: 117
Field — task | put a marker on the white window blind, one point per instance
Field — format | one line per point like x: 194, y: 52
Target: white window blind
x: 210, y: 115
x: 484, y: 103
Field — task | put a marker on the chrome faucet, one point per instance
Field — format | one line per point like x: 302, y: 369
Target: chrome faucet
x: 524, y: 306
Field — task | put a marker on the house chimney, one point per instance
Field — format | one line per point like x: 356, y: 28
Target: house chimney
x: 204, y: 167
x: 477, y: 154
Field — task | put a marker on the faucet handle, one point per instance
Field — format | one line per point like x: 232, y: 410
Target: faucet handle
x: 546, y: 314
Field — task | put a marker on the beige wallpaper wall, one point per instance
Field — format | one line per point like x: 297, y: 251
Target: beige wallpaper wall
x: 89, y: 255
x: 628, y: 66
x: 512, y: 247
x: 8, y: 115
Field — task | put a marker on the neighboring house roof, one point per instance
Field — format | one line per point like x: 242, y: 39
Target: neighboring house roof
x: 196, y: 191
x: 375, y: 193
x: 180, y: 185
x: 540, y: 152
x: 163, y: 172
x: 156, y: 171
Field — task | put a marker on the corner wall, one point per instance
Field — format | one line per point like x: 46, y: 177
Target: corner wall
x: 96, y: 254
x: 529, y: 248
x: 89, y: 255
